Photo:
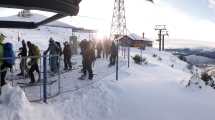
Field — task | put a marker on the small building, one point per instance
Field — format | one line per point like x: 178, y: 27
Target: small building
x: 135, y: 41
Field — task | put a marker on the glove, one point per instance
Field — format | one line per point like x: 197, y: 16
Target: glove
x: 29, y: 63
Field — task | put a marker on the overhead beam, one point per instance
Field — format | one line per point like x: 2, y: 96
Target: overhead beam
x: 61, y: 7
x: 28, y: 25
x: 51, y: 19
x: 17, y: 24
x: 68, y: 7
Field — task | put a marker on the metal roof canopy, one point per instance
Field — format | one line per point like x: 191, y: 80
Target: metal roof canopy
x: 61, y: 7
x: 82, y: 30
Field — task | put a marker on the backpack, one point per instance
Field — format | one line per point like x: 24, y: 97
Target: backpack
x: 8, y: 53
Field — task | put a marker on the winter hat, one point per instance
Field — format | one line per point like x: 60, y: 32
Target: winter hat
x: 2, y: 37
x: 51, y: 40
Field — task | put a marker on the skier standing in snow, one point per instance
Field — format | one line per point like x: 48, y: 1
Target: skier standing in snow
x: 106, y: 48
x: 113, y: 54
x: 7, y: 58
x: 93, y: 48
x: 23, y: 55
x: 83, y: 45
x: 53, y: 55
x: 67, y: 52
x: 34, y: 54
x: 88, y: 58
x: 99, y: 49
x: 59, y: 53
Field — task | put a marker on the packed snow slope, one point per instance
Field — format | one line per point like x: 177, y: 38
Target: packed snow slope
x: 152, y: 91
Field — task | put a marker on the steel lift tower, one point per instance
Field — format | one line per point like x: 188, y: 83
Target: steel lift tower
x: 161, y: 29
x: 118, y: 28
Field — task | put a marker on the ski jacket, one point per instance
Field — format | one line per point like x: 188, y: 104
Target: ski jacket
x: 59, y: 48
x: 67, y: 51
x: 23, y: 51
x: 34, y: 53
x: 113, y: 49
x: 52, y: 49
x: 89, y: 54
x: 83, y: 45
x: 1, y: 53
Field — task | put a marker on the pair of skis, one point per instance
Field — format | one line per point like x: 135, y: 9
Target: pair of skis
x: 24, y: 84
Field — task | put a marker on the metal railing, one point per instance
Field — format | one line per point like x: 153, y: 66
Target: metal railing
x: 50, y: 84
x: 47, y: 82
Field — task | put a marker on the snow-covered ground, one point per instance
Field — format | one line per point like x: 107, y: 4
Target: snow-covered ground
x: 151, y: 91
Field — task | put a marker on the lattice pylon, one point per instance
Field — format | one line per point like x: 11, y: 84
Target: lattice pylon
x: 118, y: 26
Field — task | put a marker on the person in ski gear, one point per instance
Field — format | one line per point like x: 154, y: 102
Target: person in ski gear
x: 59, y: 53
x: 113, y: 54
x: 82, y: 45
x: 99, y: 49
x: 67, y: 53
x: 2, y: 37
x: 33, y: 54
x: 8, y: 58
x: 23, y: 54
x: 88, y: 58
x: 53, y: 55
x: 106, y: 48
x: 93, y: 48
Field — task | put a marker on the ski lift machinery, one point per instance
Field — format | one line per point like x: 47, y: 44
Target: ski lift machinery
x: 62, y: 8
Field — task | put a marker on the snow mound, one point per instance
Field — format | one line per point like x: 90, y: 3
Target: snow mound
x: 14, y: 97
x: 15, y: 106
x: 14, y: 100
x: 95, y: 102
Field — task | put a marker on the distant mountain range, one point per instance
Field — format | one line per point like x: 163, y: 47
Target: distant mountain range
x: 210, y: 53
x: 183, y: 43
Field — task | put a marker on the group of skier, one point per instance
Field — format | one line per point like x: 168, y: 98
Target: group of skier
x: 55, y: 52
x: 92, y: 50
x: 109, y: 50
x: 32, y: 55
x: 29, y: 55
